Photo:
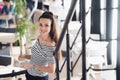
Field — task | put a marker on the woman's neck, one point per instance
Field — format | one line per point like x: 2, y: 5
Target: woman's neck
x: 44, y: 38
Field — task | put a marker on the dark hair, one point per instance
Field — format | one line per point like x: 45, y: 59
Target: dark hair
x: 47, y: 14
x: 53, y: 31
x: 7, y: 0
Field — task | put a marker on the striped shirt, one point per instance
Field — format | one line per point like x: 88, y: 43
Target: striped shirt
x: 42, y: 55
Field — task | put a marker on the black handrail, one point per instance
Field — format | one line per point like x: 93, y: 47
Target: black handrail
x: 83, y: 41
x: 68, y: 18
x: 63, y: 65
x: 76, y: 37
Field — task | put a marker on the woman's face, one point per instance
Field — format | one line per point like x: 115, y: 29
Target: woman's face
x: 45, y: 26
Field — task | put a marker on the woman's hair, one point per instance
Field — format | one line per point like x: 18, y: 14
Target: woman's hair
x: 7, y: 0
x: 53, y: 32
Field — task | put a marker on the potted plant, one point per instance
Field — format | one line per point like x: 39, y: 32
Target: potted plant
x: 23, y: 25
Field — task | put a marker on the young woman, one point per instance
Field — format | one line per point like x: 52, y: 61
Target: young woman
x: 42, y: 60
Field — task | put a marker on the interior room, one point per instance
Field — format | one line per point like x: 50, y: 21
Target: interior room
x: 88, y: 38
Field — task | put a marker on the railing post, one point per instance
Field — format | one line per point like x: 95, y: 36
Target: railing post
x: 65, y: 26
x: 83, y: 41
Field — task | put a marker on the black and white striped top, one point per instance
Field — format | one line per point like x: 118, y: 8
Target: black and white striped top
x: 41, y: 55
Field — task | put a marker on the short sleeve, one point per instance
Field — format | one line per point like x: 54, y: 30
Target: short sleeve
x: 51, y: 60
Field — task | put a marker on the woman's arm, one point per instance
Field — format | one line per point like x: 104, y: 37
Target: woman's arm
x: 50, y: 68
x: 60, y: 55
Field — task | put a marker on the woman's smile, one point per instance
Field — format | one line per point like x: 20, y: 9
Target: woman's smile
x: 45, y: 26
